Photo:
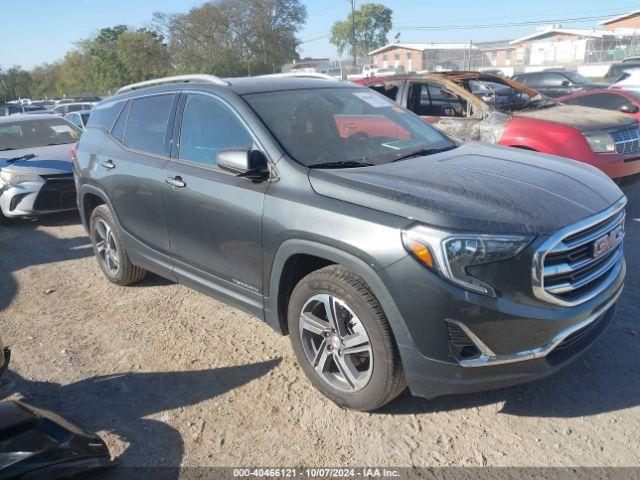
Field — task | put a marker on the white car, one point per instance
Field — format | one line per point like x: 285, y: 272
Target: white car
x: 36, y: 171
x: 79, y: 118
x: 629, y: 80
x: 65, y: 108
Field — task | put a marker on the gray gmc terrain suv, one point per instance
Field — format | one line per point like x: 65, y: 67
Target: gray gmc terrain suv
x: 389, y: 253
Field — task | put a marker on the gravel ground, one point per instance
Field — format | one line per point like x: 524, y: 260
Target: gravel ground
x: 170, y: 377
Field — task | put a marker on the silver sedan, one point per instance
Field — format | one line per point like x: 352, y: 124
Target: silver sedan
x: 36, y: 172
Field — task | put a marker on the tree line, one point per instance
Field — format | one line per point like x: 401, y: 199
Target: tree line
x: 221, y: 37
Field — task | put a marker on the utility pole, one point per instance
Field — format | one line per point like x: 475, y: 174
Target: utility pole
x: 353, y: 31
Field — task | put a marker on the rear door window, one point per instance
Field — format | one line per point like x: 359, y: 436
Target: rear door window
x: 553, y: 80
x: 147, y: 123
x: 433, y: 100
x: 209, y: 126
x: 532, y: 79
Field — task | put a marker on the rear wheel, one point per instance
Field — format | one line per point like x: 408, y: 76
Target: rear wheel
x: 109, y: 249
x: 343, y: 341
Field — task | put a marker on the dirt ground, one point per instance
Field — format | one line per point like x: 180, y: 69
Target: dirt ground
x: 170, y: 377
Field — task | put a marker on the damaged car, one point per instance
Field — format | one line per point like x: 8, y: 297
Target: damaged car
x: 36, y: 172
x: 5, y: 356
x: 38, y: 444
x: 494, y: 109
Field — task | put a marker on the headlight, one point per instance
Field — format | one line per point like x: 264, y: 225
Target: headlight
x: 600, y: 142
x: 449, y: 254
x: 14, y: 178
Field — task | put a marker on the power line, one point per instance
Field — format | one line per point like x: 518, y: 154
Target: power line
x: 316, y: 38
x: 531, y: 15
x: 320, y: 36
x: 503, y: 25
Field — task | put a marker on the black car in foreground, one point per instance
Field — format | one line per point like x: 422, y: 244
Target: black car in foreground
x: 390, y: 254
x: 557, y: 83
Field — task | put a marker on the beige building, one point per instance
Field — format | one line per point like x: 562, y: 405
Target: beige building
x: 553, y: 46
x: 629, y: 20
x: 415, y: 57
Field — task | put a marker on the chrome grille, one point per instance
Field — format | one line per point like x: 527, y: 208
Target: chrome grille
x: 627, y: 141
x: 579, y: 262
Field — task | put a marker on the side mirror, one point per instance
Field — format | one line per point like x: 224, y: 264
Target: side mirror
x: 243, y: 162
x: 565, y: 83
x: 629, y: 108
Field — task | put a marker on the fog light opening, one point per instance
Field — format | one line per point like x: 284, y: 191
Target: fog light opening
x: 462, y: 346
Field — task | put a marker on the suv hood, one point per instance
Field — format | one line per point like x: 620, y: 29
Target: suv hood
x: 582, y: 118
x: 50, y: 160
x: 477, y: 187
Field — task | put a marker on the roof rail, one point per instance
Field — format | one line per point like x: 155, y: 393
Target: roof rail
x: 322, y: 76
x: 176, y: 79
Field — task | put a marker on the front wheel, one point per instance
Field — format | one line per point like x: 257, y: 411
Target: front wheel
x: 343, y: 341
x: 4, y: 221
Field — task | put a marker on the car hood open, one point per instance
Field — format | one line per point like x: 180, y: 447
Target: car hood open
x: 477, y: 187
x: 50, y: 160
x: 582, y: 118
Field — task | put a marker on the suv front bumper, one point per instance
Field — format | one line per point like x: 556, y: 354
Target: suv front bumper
x: 522, y: 342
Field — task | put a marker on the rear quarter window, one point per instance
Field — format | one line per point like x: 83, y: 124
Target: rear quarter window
x: 104, y: 114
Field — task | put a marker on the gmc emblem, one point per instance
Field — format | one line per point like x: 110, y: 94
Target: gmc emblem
x: 608, y: 242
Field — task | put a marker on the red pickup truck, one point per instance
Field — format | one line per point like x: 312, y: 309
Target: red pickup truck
x: 477, y: 106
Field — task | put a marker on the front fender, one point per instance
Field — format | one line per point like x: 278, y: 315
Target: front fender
x: 545, y: 137
x: 372, y: 276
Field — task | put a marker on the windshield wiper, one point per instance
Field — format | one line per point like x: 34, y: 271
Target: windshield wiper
x: 422, y: 152
x: 341, y: 164
x: 28, y: 156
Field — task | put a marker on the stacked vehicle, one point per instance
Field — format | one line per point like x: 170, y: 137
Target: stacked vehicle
x: 494, y: 109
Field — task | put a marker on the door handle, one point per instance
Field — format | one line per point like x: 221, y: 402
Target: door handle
x: 109, y: 165
x: 175, y: 182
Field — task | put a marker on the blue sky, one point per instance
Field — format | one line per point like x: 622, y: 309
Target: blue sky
x: 37, y: 31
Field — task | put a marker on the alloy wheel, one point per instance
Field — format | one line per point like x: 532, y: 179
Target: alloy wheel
x: 336, y: 343
x: 107, y: 247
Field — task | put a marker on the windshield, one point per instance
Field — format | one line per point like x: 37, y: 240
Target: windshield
x: 576, y: 78
x: 344, y: 126
x: 36, y: 133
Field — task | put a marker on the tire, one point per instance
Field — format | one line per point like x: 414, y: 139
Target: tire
x: 365, y: 380
x: 4, y: 221
x: 122, y: 272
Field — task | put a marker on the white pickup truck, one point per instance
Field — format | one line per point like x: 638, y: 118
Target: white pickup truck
x: 371, y: 71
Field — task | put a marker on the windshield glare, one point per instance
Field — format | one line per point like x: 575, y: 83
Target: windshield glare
x: 36, y: 133
x: 343, y: 125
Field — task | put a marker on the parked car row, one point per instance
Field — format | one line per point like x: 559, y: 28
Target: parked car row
x: 480, y: 106
x: 61, y: 107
